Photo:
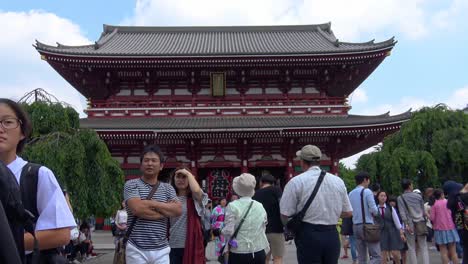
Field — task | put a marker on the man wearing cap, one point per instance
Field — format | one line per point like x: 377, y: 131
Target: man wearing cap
x: 269, y: 196
x: 318, y: 241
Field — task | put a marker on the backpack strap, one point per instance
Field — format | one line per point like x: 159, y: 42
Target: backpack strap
x: 28, y: 186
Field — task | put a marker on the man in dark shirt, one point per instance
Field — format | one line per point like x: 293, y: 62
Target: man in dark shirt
x: 269, y: 196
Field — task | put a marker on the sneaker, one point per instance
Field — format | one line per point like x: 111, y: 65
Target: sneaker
x: 344, y: 257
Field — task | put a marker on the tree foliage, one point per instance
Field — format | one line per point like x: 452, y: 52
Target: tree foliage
x: 78, y: 157
x: 347, y: 175
x: 429, y: 149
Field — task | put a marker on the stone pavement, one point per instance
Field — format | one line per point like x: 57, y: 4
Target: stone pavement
x: 103, y: 244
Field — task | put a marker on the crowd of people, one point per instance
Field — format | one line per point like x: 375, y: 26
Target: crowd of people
x: 409, y: 224
x: 172, y: 222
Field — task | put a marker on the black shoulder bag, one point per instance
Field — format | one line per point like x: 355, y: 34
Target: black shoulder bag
x: 119, y: 255
x: 371, y: 231
x: 294, y: 225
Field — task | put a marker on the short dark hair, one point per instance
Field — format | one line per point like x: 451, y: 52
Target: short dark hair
x: 25, y: 122
x: 268, y: 178
x: 375, y: 187
x: 311, y: 163
x: 152, y: 149
x: 392, y: 198
x: 405, y: 184
x: 437, y: 193
x: 361, y: 176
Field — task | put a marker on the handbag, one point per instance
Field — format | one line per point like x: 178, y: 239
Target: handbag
x: 294, y: 225
x: 420, y: 227
x: 119, y: 255
x: 120, y: 248
x: 222, y: 258
x: 371, y: 232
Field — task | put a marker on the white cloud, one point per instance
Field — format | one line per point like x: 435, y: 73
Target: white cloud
x: 351, y: 161
x: 21, y: 66
x: 358, y: 96
x: 352, y: 20
x: 457, y: 100
x: 447, y: 18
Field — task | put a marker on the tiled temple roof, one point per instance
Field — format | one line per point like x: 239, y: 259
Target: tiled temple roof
x: 129, y: 41
x: 234, y: 123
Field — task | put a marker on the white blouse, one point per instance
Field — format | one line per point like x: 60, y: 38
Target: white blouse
x: 53, y: 209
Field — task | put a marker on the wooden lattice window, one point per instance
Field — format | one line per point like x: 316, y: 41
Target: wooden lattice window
x: 218, y: 84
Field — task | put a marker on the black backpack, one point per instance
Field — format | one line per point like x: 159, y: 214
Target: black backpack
x: 18, y: 218
x: 28, y: 186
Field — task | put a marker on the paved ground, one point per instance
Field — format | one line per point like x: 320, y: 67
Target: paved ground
x: 103, y: 243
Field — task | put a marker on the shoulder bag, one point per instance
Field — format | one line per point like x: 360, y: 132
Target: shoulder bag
x: 294, y: 225
x: 420, y: 227
x: 371, y: 231
x: 232, y: 241
x: 119, y: 255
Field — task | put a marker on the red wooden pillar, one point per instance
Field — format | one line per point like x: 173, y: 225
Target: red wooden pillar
x: 334, y: 169
x: 244, y: 157
x: 193, y: 159
x: 290, y: 159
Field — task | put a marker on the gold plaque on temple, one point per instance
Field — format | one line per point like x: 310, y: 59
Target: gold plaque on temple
x: 218, y: 83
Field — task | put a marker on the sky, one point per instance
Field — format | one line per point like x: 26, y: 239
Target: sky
x: 427, y: 66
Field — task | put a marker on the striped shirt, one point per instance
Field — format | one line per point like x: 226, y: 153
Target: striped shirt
x: 178, y: 230
x: 148, y: 234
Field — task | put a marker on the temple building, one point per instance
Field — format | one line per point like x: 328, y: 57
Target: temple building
x: 225, y: 100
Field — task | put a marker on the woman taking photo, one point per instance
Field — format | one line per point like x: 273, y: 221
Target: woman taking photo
x: 250, y: 243
x: 217, y: 223
x: 54, y: 219
x: 186, y: 237
x: 445, y: 233
x: 392, y: 236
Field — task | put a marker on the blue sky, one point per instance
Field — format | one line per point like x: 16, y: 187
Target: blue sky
x: 427, y: 66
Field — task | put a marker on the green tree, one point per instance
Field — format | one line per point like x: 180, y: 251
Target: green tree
x: 429, y: 149
x: 79, y: 159
x: 347, y: 175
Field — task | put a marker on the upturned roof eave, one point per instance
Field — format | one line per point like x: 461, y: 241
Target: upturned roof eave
x: 211, y: 55
x: 396, y: 120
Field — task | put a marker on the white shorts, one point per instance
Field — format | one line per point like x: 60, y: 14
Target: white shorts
x: 137, y: 256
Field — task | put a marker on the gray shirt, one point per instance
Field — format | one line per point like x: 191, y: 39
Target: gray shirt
x: 178, y: 231
x: 415, y: 206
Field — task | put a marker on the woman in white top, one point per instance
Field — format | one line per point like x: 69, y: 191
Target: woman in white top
x: 55, y: 219
x: 120, y: 223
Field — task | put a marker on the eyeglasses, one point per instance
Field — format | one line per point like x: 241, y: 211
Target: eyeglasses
x: 10, y: 123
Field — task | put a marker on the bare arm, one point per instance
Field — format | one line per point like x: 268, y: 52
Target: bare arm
x: 48, y: 239
x: 284, y: 219
x: 144, y: 209
x: 169, y: 209
x: 346, y: 214
x: 193, y: 185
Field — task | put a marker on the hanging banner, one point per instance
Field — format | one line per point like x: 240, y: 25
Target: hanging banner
x: 219, y: 183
